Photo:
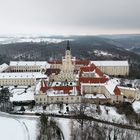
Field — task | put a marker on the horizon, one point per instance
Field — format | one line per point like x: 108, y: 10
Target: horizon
x: 68, y: 35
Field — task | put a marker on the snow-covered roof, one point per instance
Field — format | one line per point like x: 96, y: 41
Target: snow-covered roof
x: 56, y: 88
x: 92, y: 84
x: 128, y: 88
x: 30, y: 63
x: 3, y: 67
x: 38, y: 86
x: 92, y: 69
x: 94, y: 74
x: 63, y: 84
x: 95, y: 96
x: 22, y: 75
x: 56, y: 93
x: 110, y: 63
x: 61, y: 93
x: 110, y: 85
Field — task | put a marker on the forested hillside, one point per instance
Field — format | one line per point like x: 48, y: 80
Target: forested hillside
x: 83, y: 47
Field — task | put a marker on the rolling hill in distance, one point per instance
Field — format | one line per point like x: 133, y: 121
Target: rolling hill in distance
x: 101, y: 47
x: 85, y: 47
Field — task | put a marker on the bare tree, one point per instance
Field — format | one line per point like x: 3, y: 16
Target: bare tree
x: 79, y: 110
x: 49, y: 129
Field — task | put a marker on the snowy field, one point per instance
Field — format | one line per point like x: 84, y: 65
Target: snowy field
x: 19, y: 94
x: 17, y: 128
x: 65, y: 126
x: 101, y: 53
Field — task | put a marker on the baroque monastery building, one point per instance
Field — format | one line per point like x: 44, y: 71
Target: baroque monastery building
x: 72, y: 80
x: 69, y: 80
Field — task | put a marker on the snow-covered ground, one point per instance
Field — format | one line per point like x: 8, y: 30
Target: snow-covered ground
x: 20, y: 94
x: 11, y: 129
x: 65, y: 126
x: 101, y: 53
x: 112, y: 115
x: 16, y: 128
x: 95, y: 96
x: 31, y: 127
x: 136, y: 106
x: 26, y: 127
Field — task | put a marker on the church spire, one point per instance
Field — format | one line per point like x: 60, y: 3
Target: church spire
x: 68, y: 45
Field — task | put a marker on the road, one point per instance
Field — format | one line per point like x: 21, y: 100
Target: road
x: 124, y: 126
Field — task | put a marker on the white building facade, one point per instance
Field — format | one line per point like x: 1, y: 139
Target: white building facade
x: 20, y: 79
x: 115, y: 68
x: 28, y: 66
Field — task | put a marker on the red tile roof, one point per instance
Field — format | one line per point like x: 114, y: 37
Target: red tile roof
x: 50, y: 71
x: 62, y: 88
x: 66, y: 89
x: 43, y: 87
x: 92, y: 68
x: 82, y: 62
x: 92, y: 80
x: 99, y: 72
x: 87, y: 69
x: 117, y: 91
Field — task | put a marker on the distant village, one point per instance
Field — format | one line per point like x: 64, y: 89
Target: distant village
x: 68, y: 81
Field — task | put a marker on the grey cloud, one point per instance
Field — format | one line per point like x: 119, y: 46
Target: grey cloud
x: 69, y: 16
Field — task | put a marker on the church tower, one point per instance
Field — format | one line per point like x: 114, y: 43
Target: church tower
x: 68, y: 57
x: 68, y: 50
x: 67, y: 65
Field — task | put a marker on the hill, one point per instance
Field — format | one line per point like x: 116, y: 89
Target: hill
x: 83, y: 47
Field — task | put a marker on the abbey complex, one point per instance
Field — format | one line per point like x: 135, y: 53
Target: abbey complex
x: 70, y: 80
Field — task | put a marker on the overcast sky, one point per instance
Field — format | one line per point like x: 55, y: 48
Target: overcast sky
x: 69, y: 16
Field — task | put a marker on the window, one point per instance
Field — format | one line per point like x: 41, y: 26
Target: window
x: 40, y: 99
